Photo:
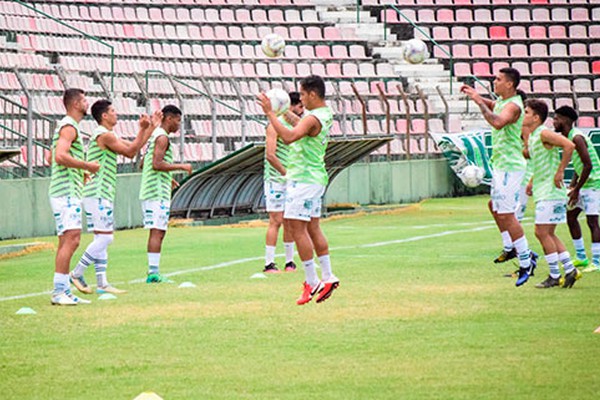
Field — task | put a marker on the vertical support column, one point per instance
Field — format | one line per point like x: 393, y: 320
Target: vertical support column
x: 29, y: 149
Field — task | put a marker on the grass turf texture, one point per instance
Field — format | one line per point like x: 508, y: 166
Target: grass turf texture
x: 423, y: 319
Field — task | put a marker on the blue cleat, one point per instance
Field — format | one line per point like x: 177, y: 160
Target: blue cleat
x: 523, y: 277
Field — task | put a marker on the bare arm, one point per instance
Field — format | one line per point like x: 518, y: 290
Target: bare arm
x: 509, y: 115
x: 577, y: 182
x: 554, y: 139
x: 158, y: 159
x: 291, y: 118
x: 271, y: 151
x: 67, y: 136
x: 125, y: 147
x: 309, y: 126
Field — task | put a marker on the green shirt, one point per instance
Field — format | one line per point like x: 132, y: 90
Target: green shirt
x: 307, y: 160
x: 156, y: 185
x: 593, y: 181
x: 102, y: 184
x: 282, y: 152
x: 507, y: 145
x: 545, y: 162
x: 66, y: 181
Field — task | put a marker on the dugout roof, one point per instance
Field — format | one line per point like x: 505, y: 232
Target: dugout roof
x: 6, y: 153
x: 233, y: 185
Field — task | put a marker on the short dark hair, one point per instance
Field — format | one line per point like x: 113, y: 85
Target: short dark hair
x: 539, y: 107
x: 294, y: 98
x: 522, y: 94
x: 170, y: 110
x: 568, y: 112
x: 99, y: 108
x: 71, y: 95
x: 513, y: 75
x: 314, y: 83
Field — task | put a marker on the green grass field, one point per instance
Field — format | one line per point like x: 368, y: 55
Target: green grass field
x: 421, y: 313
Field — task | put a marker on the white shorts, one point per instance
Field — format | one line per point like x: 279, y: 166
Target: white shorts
x: 505, y: 191
x: 523, y: 199
x: 275, y: 196
x: 589, y: 201
x: 99, y: 214
x: 550, y: 212
x: 156, y: 214
x: 303, y: 200
x: 67, y: 213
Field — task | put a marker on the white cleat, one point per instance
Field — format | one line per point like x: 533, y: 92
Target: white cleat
x: 109, y: 289
x: 67, y: 299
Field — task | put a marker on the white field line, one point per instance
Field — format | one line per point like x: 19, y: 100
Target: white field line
x: 243, y: 260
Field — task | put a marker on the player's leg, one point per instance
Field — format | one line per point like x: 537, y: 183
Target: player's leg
x: 330, y: 281
x: 591, y: 199
x: 545, y: 235
x: 572, y: 274
x: 577, y: 237
x: 156, y: 218
x: 288, y: 244
x: 275, y: 222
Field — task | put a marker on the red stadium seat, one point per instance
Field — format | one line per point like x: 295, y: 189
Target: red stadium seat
x: 596, y: 67
x: 498, y: 33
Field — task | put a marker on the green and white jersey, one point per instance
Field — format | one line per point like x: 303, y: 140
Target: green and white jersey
x: 66, y: 181
x: 593, y: 181
x: 507, y: 145
x: 307, y: 160
x: 156, y: 185
x: 102, y: 184
x: 528, y: 173
x: 282, y: 152
x: 545, y: 162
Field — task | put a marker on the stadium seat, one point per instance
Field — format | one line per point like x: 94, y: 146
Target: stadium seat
x: 498, y: 33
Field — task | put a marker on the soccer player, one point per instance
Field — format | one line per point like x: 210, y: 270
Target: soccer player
x: 66, y: 183
x: 157, y: 182
x: 99, y: 192
x: 505, y: 116
x: 549, y: 192
x: 306, y: 181
x: 584, y: 191
x: 276, y: 159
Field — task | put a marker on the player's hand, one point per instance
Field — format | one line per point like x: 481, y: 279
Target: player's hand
x: 187, y: 168
x: 157, y: 117
x: 529, y: 189
x: 471, y: 93
x: 86, y: 178
x: 265, y: 103
x: 174, y: 184
x: 93, y: 167
x: 526, y: 153
x: 558, y: 179
x: 573, y: 197
x: 144, y: 121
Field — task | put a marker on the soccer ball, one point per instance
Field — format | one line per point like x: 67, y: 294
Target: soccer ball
x: 280, y: 100
x: 415, y: 51
x: 273, y: 45
x: 472, y: 176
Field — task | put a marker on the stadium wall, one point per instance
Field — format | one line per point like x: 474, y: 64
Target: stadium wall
x: 25, y: 209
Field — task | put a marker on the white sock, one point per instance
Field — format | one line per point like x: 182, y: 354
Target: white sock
x: 507, y: 241
x: 101, y: 265
x: 552, y: 260
x: 565, y: 260
x: 289, y: 251
x: 93, y: 252
x: 579, y: 249
x: 153, y: 263
x: 311, y: 273
x: 596, y: 254
x: 325, y: 267
x: 523, y: 251
x: 61, y: 283
x: 269, y: 254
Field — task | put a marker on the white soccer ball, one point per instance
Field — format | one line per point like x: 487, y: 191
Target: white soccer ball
x: 280, y: 100
x: 273, y: 45
x: 472, y: 176
x: 415, y: 51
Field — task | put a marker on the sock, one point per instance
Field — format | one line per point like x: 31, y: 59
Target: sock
x: 61, y: 283
x: 84, y: 262
x: 311, y: 273
x: 523, y: 251
x: 507, y: 241
x: 596, y: 254
x: 565, y: 260
x: 153, y: 263
x: 93, y: 252
x: 101, y: 265
x: 580, y: 249
x: 289, y: 251
x: 269, y: 254
x: 325, y: 267
x: 552, y: 260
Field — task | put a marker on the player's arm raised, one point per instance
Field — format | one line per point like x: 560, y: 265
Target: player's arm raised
x: 66, y: 137
x: 272, y: 151
x: 553, y: 139
x: 472, y: 93
x: 307, y: 126
x: 158, y: 160
x: 125, y: 147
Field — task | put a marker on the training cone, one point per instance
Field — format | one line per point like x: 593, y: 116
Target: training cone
x: 25, y: 311
x: 596, y: 331
x: 187, y: 285
x: 148, y: 396
x: 258, y: 275
x: 107, y: 296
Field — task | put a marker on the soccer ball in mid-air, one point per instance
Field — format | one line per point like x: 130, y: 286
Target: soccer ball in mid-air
x: 415, y: 51
x: 273, y: 45
x: 280, y: 100
x: 472, y: 176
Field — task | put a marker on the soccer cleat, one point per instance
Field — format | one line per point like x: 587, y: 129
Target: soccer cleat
x: 591, y: 268
x: 548, y: 283
x: 328, y: 287
x: 67, y: 298
x: 271, y: 269
x: 290, y: 267
x: 569, y: 280
x: 308, y: 292
x: 157, y: 278
x: 505, y: 256
x: 80, y: 283
x: 523, y: 277
x: 577, y: 263
x: 109, y: 289
x: 533, y: 257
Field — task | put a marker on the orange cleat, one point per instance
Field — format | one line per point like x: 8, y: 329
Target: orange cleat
x: 328, y: 288
x: 308, y: 292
